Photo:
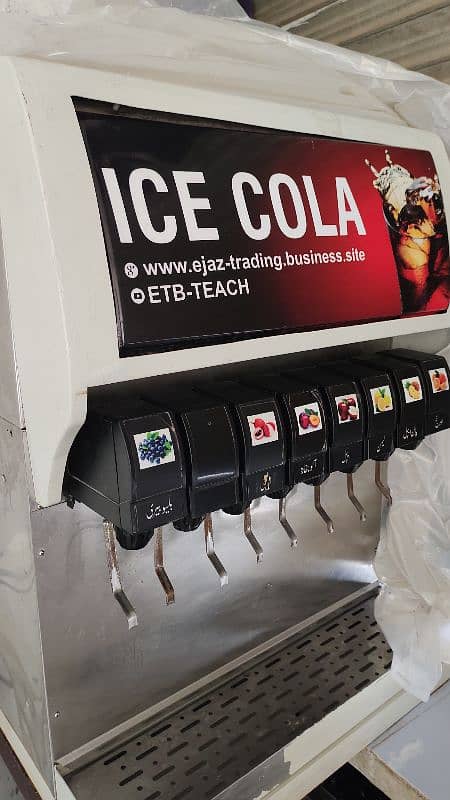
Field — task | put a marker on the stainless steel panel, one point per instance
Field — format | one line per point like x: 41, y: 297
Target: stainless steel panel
x: 228, y: 740
x: 99, y: 675
x: 22, y: 689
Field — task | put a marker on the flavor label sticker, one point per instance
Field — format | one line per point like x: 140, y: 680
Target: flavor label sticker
x: 439, y: 380
x: 382, y: 399
x: 412, y: 388
x: 347, y: 408
x: 154, y: 448
x: 309, y: 418
x: 263, y: 428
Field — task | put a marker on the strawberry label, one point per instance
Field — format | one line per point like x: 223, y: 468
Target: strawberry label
x: 347, y: 408
x: 439, y: 380
x: 309, y: 418
x: 412, y: 388
x: 263, y: 428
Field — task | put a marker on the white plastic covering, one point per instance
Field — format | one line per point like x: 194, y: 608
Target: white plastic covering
x: 413, y: 564
x: 218, y: 46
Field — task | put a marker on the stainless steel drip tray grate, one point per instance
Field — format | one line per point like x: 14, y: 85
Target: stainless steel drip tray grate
x: 215, y: 738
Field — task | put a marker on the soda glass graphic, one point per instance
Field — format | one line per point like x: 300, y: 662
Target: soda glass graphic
x: 415, y: 218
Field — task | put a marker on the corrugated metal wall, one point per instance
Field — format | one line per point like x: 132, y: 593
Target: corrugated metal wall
x: 415, y: 33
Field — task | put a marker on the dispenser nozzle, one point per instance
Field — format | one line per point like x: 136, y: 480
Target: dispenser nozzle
x: 248, y: 533
x: 211, y: 553
x: 109, y: 532
x: 159, y: 567
x: 320, y: 509
x: 383, y: 487
x: 353, y: 499
x: 284, y: 522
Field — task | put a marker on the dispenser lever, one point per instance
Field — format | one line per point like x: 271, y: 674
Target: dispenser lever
x: 159, y: 567
x: 383, y: 487
x: 284, y: 522
x: 320, y: 509
x: 251, y: 536
x: 211, y: 553
x: 353, y: 499
x: 114, y: 575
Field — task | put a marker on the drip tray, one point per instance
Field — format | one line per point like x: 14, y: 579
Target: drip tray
x: 200, y: 748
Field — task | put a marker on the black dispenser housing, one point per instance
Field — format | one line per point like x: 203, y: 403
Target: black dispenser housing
x: 346, y: 415
x: 127, y: 464
x: 410, y: 395
x: 262, y: 446
x: 434, y: 373
x: 210, y: 443
x: 380, y: 400
x: 306, y: 428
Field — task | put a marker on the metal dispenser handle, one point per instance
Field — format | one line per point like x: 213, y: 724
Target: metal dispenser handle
x: 353, y: 499
x: 383, y: 487
x: 159, y: 567
x: 211, y: 553
x: 284, y: 522
x: 320, y: 510
x: 109, y: 533
x: 250, y: 536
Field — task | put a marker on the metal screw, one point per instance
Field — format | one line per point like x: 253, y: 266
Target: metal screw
x: 57, y: 715
x: 4, y: 478
x: 41, y: 553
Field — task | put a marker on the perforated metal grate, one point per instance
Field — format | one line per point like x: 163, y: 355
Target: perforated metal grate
x: 215, y: 738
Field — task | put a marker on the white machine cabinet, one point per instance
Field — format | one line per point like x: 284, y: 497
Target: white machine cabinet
x: 157, y: 238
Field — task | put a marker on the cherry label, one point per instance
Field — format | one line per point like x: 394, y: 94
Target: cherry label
x: 347, y: 408
x: 263, y: 428
x: 439, y: 380
x: 412, y: 388
x: 381, y: 399
x: 154, y: 448
x: 309, y: 418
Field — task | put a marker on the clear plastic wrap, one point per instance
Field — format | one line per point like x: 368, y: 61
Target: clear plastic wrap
x: 413, y: 564
x: 218, y: 45
x: 213, y: 43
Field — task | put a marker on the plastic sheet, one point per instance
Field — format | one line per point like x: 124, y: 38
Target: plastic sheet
x: 221, y: 48
x: 213, y: 43
x: 413, y: 564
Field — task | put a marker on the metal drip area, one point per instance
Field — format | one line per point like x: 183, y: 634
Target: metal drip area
x: 229, y: 740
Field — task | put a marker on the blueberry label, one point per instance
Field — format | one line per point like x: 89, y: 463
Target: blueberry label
x: 412, y: 388
x: 263, y: 428
x: 309, y: 418
x: 439, y: 380
x: 154, y: 448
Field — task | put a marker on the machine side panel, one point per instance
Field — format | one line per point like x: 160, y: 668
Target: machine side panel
x: 22, y: 685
